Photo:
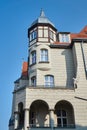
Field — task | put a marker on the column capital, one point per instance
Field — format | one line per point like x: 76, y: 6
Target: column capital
x: 26, y: 109
x: 51, y: 109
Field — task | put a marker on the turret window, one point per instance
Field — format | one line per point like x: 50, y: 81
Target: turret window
x: 51, y: 35
x: 33, y: 57
x: 44, y: 55
x: 33, y: 35
x: 49, y: 81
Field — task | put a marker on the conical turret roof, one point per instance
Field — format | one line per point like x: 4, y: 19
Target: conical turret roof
x: 42, y: 19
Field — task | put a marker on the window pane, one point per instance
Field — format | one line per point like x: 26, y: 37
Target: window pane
x: 64, y: 122
x: 59, y: 122
x: 63, y: 113
x: 64, y: 38
x: 33, y: 35
x: 58, y: 113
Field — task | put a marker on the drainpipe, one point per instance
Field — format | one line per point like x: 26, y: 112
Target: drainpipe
x: 84, y: 58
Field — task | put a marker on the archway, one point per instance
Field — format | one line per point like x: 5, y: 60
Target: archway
x: 39, y: 114
x: 64, y: 114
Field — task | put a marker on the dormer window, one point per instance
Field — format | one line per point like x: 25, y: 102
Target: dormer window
x: 64, y: 37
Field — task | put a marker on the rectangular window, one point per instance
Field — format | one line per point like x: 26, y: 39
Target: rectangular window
x: 59, y: 122
x: 44, y: 55
x: 51, y: 35
x: 33, y: 81
x: 61, y: 118
x: 49, y: 81
x: 33, y: 57
x: 33, y: 35
x: 64, y: 38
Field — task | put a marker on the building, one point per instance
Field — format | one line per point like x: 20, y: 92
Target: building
x: 51, y: 92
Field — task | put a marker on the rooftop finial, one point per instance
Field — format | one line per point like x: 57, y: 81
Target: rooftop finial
x: 42, y: 14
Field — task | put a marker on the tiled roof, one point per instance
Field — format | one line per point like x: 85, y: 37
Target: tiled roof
x: 84, y: 30
x: 81, y: 35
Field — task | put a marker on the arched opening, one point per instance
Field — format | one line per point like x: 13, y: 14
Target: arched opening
x: 39, y: 114
x: 64, y: 114
x: 21, y: 115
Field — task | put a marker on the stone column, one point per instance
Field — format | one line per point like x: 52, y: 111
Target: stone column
x: 16, y: 120
x: 51, y: 118
x: 26, y: 119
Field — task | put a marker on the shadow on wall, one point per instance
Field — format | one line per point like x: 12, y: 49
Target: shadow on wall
x: 69, y: 62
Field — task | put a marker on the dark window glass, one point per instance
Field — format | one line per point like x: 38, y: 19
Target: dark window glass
x: 33, y: 57
x: 33, y: 81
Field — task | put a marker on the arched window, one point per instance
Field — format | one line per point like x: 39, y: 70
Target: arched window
x: 33, y: 59
x: 64, y: 114
x: 61, y: 118
x: 44, y: 55
x: 49, y: 80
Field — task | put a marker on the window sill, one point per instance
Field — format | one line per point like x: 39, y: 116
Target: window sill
x: 43, y: 61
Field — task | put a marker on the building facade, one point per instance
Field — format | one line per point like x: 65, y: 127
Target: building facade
x: 51, y: 92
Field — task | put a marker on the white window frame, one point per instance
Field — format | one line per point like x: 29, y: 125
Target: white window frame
x: 49, y: 80
x: 44, y: 55
x: 64, y: 38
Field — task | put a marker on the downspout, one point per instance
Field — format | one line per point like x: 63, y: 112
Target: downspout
x: 84, y: 59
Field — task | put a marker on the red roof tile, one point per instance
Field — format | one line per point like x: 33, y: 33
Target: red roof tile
x: 82, y: 34
x: 84, y: 30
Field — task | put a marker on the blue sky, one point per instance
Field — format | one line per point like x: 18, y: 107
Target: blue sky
x: 15, y: 18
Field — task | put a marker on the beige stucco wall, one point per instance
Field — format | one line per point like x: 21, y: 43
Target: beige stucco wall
x: 64, y: 64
